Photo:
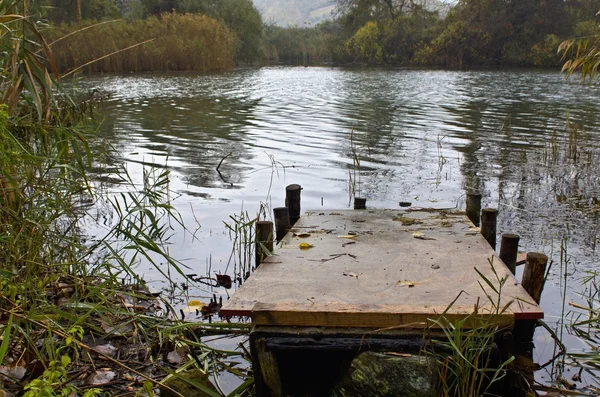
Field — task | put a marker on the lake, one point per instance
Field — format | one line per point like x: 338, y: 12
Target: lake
x: 529, y: 140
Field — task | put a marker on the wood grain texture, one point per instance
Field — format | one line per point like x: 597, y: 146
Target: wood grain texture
x: 401, y: 268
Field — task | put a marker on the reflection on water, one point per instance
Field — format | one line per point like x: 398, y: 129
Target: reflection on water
x: 422, y: 136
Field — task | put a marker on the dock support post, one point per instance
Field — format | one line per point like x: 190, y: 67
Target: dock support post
x: 533, y: 282
x: 488, y: 225
x: 534, y: 274
x: 360, y: 203
x: 264, y: 240
x: 509, y: 248
x: 474, y: 207
x: 282, y: 222
x: 292, y: 201
x: 266, y: 369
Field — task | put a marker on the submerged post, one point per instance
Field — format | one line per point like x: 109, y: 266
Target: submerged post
x: 292, y: 202
x: 360, y: 203
x: 488, y: 225
x: 264, y: 240
x: 474, y: 207
x: 534, y: 274
x: 509, y: 248
x: 282, y: 222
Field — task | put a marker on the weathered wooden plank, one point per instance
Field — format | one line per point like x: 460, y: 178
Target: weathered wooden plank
x: 373, y: 316
x: 378, y: 268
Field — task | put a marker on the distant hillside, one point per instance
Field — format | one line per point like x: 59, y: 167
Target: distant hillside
x: 311, y: 12
x: 295, y: 12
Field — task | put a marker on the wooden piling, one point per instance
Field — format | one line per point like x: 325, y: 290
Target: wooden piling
x: 292, y: 202
x: 488, y: 225
x: 360, y: 203
x: 509, y: 248
x: 264, y: 240
x: 282, y: 222
x: 534, y: 274
x: 267, y: 377
x: 474, y: 207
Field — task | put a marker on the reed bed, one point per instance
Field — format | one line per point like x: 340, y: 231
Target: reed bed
x: 171, y: 42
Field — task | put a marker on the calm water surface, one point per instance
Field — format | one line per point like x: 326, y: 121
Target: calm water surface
x: 528, y: 139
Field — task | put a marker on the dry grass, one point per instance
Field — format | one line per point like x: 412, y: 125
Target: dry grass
x: 178, y: 42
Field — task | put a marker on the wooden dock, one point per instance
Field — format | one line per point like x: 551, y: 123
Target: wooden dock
x: 380, y: 269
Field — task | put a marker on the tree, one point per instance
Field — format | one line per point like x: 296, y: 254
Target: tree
x: 364, y: 45
x: 74, y: 11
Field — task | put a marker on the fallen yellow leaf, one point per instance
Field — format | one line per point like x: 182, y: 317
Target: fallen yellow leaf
x: 193, y: 305
x: 305, y: 246
x: 348, y: 236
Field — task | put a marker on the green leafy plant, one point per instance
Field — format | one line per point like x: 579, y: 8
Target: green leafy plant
x: 465, y: 352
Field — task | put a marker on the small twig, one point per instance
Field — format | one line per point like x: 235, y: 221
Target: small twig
x: 219, y: 166
x: 562, y: 348
x: 223, y: 159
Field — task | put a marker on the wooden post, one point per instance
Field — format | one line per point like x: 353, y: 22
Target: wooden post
x: 292, y: 201
x: 488, y: 225
x: 360, y: 203
x: 264, y: 239
x: 266, y: 369
x: 474, y: 207
x: 282, y: 222
x: 534, y: 274
x: 509, y: 248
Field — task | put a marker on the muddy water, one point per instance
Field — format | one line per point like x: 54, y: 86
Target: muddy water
x: 528, y: 139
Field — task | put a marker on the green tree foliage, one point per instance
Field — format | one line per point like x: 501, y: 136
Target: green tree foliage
x: 474, y: 32
x: 296, y: 45
x: 67, y: 11
x: 364, y: 45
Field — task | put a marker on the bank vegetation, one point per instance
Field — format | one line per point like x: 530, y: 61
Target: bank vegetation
x: 218, y: 34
